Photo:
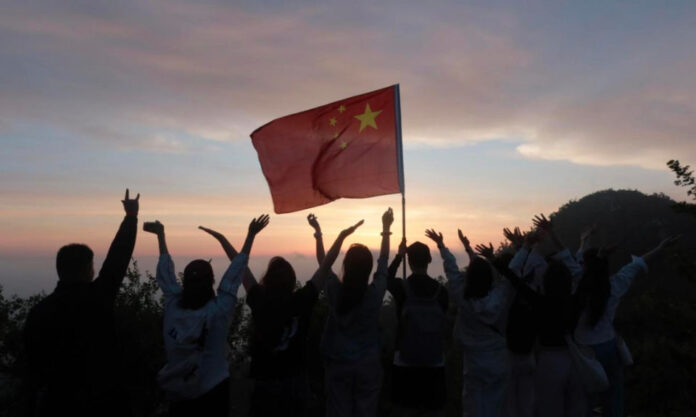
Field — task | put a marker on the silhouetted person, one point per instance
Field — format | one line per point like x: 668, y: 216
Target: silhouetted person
x: 557, y: 385
x: 70, y: 337
x: 280, y: 323
x: 351, y: 340
x: 600, y: 295
x: 482, y: 300
x: 521, y: 329
x: 418, y: 369
x: 196, y: 328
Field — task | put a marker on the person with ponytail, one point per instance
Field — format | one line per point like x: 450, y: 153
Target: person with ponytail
x: 196, y: 326
x: 600, y: 294
x: 351, y: 340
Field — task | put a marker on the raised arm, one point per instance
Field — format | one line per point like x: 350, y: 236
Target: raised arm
x: 387, y: 220
x: 312, y: 219
x: 157, y: 229
x: 120, y: 252
x: 229, y: 284
x: 394, y: 284
x: 379, y: 280
x: 248, y: 279
x: 657, y: 251
x: 487, y: 252
x: 562, y: 253
x: 256, y: 226
x: 319, y: 277
x: 165, y: 275
x: 519, y: 244
x: 455, y: 277
x: 230, y: 251
x: 545, y: 225
x: 467, y: 245
x: 622, y: 280
x: 515, y: 237
x: 450, y: 263
x: 398, y: 258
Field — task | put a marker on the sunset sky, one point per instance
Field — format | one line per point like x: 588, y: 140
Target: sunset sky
x: 509, y: 109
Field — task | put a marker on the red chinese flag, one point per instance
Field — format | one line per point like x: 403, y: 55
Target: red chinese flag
x: 350, y: 148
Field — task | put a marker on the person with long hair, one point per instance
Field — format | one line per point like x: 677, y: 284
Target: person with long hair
x: 520, y: 330
x: 558, y: 389
x: 600, y: 294
x: 481, y: 299
x: 351, y: 340
x: 281, y: 313
x: 196, y: 327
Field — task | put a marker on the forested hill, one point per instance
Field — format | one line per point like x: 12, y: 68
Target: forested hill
x: 636, y: 223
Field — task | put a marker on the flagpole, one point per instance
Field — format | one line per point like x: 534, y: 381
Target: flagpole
x: 400, y: 163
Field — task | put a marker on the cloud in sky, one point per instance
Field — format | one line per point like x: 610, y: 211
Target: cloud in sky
x: 592, y: 84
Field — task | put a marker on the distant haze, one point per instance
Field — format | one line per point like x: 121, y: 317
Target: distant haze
x: 25, y: 276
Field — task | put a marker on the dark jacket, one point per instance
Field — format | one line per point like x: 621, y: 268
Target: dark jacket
x: 70, y: 339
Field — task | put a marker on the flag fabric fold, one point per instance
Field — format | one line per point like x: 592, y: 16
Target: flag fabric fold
x: 346, y: 149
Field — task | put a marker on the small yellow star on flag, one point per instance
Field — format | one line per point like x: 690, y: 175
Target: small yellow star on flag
x: 368, y: 118
x: 343, y: 145
x: 332, y: 121
x: 341, y: 108
x: 335, y: 135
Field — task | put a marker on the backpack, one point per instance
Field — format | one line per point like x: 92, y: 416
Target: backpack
x: 422, y: 328
x: 180, y: 378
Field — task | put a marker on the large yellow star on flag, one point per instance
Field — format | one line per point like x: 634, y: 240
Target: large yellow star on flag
x: 368, y: 118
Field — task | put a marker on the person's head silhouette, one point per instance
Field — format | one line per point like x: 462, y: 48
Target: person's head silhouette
x: 197, y: 285
x: 558, y: 280
x: 280, y: 277
x: 418, y: 257
x: 479, y: 278
x: 357, y: 266
x: 75, y: 263
x: 594, y: 285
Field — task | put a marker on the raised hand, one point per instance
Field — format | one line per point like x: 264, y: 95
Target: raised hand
x: 347, y: 232
x: 435, y: 236
x: 131, y: 206
x: 312, y: 220
x: 514, y: 236
x: 258, y: 224
x: 387, y: 219
x: 542, y: 223
x: 402, y: 247
x: 532, y: 238
x: 670, y: 241
x: 154, y: 227
x: 486, y: 251
x: 464, y: 239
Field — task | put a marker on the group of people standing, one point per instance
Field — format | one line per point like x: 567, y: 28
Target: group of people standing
x: 519, y: 318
